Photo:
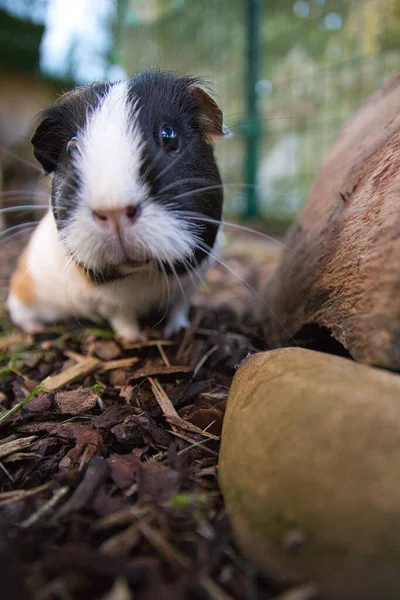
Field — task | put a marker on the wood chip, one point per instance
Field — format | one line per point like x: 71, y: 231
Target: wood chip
x: 154, y: 371
x: 82, y: 369
x: 124, y: 468
x: 87, y: 441
x: 157, y: 482
x: 213, y: 590
x: 122, y: 517
x: 172, y: 556
x: 170, y: 413
x: 179, y: 422
x: 148, y: 344
x: 119, y: 591
x: 16, y: 445
x: 189, y: 335
x: 118, y: 378
x: 38, y: 404
x: 121, y: 543
x: 96, y: 473
x: 193, y: 443
x: 22, y: 456
x: 121, y: 363
x: 17, y: 495
x: 141, y: 426
x: 75, y: 356
x: 14, y: 339
x: 161, y: 396
x: 204, y: 359
x: 75, y: 402
x: 113, y: 415
x: 7, y: 473
x: 107, y: 349
x: 45, y: 508
x: 163, y: 355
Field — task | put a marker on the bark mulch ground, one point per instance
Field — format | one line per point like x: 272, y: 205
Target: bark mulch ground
x: 108, y: 474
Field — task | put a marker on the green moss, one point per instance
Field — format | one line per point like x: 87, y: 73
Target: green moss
x: 98, y: 389
x: 6, y: 327
x: 186, y: 502
x: 104, y: 333
x: 4, y: 371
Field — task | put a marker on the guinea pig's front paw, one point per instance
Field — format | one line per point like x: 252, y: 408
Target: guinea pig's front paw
x: 25, y: 317
x: 127, y: 330
x: 177, y: 320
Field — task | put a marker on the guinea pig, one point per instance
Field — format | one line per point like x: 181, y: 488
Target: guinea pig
x: 135, y: 205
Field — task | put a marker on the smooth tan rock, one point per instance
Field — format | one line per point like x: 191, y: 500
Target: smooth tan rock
x: 341, y: 269
x: 310, y: 471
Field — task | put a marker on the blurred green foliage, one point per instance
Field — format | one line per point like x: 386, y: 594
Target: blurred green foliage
x: 19, y: 43
x: 320, y: 60
x: 22, y: 26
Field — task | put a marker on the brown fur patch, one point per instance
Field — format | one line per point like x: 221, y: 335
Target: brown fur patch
x: 210, y: 114
x: 84, y: 276
x: 22, y: 284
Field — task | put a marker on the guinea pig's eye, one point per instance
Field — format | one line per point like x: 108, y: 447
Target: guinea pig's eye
x: 169, y: 139
x: 71, y: 146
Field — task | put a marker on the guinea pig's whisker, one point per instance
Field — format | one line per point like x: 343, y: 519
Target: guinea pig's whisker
x: 71, y: 297
x: 197, y: 217
x: 163, y: 270
x: 152, y: 164
x: 22, y: 194
x: 190, y: 272
x: 195, y: 272
x: 69, y: 264
x: 173, y: 162
x: 181, y: 182
x: 208, y: 188
x: 12, y: 209
x: 204, y: 188
x: 15, y: 135
x: 207, y: 250
x: 71, y: 257
x: 6, y: 234
x: 202, y: 279
x: 243, y: 123
x: 168, y: 289
x: 20, y: 159
x: 171, y: 266
x: 167, y: 286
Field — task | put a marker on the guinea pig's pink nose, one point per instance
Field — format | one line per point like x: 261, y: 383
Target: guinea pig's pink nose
x: 113, y: 218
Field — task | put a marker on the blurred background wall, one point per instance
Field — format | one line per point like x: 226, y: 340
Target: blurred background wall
x: 287, y: 73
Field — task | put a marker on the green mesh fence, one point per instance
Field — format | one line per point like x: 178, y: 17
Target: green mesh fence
x: 319, y: 60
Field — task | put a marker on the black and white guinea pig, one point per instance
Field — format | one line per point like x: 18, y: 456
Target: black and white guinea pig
x: 135, y: 204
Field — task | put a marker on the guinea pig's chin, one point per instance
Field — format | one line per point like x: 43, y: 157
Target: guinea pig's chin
x: 94, y: 251
x: 158, y: 237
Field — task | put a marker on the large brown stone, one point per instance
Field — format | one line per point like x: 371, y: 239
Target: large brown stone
x: 310, y: 470
x: 342, y: 268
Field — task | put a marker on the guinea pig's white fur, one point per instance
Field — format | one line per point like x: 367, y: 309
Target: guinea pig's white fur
x: 47, y: 287
x: 50, y: 284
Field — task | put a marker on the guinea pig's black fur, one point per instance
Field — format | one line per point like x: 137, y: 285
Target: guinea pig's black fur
x: 187, y: 181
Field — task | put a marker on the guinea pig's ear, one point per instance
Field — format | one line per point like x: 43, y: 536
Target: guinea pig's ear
x: 47, y: 140
x: 210, y: 114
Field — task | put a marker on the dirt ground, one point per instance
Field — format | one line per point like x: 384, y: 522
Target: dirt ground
x: 108, y: 477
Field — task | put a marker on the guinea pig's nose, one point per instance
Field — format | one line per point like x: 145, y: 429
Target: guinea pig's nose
x: 114, y: 218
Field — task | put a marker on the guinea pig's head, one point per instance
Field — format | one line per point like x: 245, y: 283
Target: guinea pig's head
x: 135, y: 179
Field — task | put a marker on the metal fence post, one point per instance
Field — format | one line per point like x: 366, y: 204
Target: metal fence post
x: 253, y: 128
